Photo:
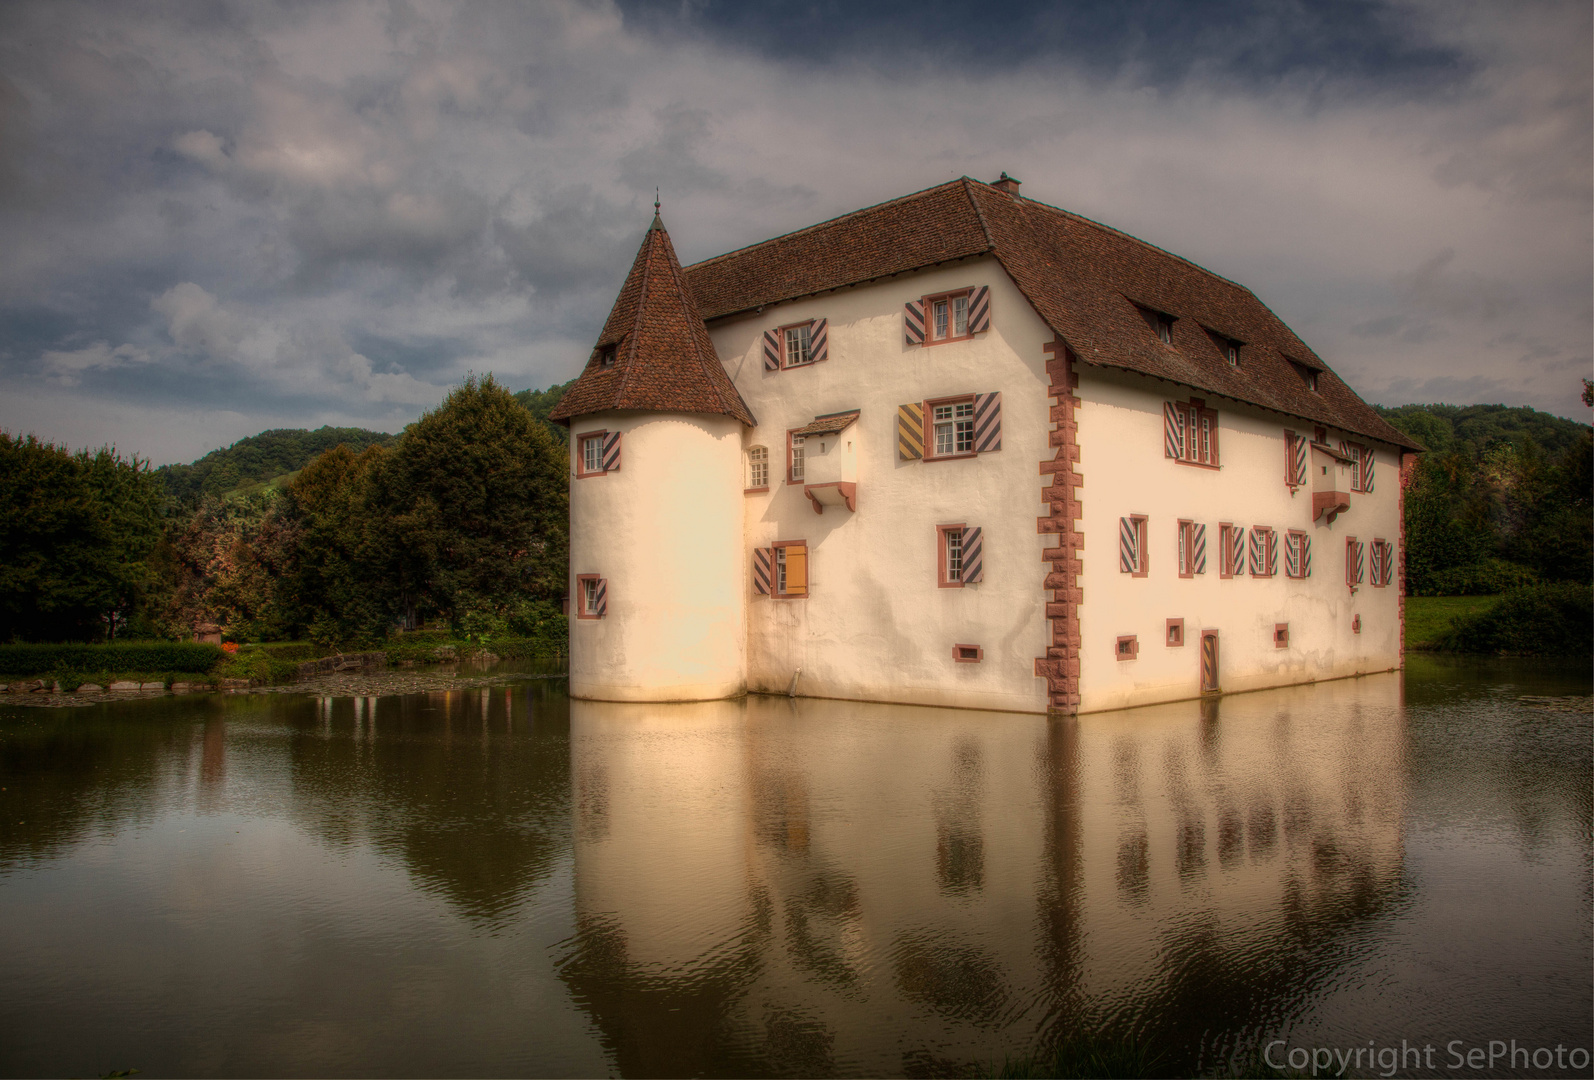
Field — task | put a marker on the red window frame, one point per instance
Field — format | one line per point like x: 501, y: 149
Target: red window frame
x: 785, y: 359
x: 1298, y: 537
x: 1270, y: 565
x: 967, y: 654
x: 1351, y: 578
x: 581, y: 596
x: 1173, y: 634
x: 929, y: 428
x: 581, y: 453
x: 775, y: 567
x: 1356, y: 452
x: 754, y: 490
x: 1225, y: 541
x: 929, y: 317
x: 1191, y: 414
x: 1376, y: 549
x: 791, y: 433
x: 1281, y: 635
x: 1185, y: 539
x: 1143, y: 540
x: 1127, y: 647
x: 942, y: 581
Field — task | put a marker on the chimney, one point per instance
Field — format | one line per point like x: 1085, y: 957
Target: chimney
x: 1007, y: 185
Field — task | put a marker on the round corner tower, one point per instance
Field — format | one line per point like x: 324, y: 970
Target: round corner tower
x: 657, y: 585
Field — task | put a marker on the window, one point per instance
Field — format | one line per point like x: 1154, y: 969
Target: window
x: 961, y: 557
x: 1190, y: 432
x: 1308, y: 375
x: 1174, y: 634
x: 1231, y: 550
x: 797, y: 342
x: 1354, y: 451
x: 791, y: 568
x: 967, y: 654
x: 952, y: 423
x: 758, y: 468
x: 1127, y: 647
x: 1382, y: 570
x: 1297, y: 555
x: 1192, y: 549
x: 592, y: 596
x: 949, y: 317
x: 1132, y: 555
x: 1355, y: 555
x: 1264, y: 551
x: 794, y: 457
x: 606, y: 356
x: 597, y: 452
x: 1161, y: 323
x: 1281, y: 635
x: 1294, y: 459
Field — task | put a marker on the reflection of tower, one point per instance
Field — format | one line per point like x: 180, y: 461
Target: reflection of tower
x: 657, y: 596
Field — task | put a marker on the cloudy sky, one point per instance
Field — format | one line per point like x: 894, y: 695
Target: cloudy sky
x: 217, y: 218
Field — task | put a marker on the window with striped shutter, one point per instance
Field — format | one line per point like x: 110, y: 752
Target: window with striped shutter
x: 1355, y: 561
x: 1272, y: 553
x: 592, y: 597
x: 910, y: 432
x: 763, y: 559
x: 980, y: 310
x: 913, y: 322
x: 973, y: 555
x: 1231, y: 550
x: 1172, y: 431
x: 1132, y: 545
x: 1297, y: 555
x: 1294, y: 459
x: 1264, y: 552
x: 987, y: 423
x: 1367, y: 469
x: 611, y: 452
x: 1382, y: 564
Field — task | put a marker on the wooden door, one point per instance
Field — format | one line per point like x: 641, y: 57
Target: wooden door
x: 1209, y: 661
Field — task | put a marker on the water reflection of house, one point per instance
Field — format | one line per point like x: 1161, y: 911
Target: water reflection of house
x: 800, y: 886
x: 964, y: 448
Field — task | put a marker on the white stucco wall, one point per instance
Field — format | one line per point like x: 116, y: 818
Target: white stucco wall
x: 1125, y: 473
x: 665, y: 530
x: 875, y: 625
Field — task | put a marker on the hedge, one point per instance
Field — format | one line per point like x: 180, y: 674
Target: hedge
x: 1536, y: 620
x: 187, y: 657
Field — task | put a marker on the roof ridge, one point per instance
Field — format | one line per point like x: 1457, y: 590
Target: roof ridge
x: 822, y: 224
x: 678, y: 277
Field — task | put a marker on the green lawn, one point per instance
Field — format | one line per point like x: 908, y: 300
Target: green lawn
x: 1429, y: 616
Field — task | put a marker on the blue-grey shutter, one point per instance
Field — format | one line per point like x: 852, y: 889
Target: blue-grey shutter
x: 913, y: 322
x: 819, y: 341
x: 987, y: 423
x: 973, y: 556
x: 980, y: 310
x: 771, y: 350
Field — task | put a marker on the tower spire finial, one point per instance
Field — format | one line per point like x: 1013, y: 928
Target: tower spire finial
x: 655, y: 202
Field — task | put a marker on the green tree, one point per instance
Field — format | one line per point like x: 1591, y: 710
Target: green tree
x: 477, y: 502
x: 226, y: 562
x: 342, y: 586
x: 76, y: 531
x: 541, y: 402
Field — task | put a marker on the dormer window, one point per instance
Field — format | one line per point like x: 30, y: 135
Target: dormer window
x: 1307, y: 373
x: 606, y: 356
x: 1161, y: 323
x: 1228, y: 347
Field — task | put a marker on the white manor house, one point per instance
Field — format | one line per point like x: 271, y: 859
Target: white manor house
x: 967, y: 449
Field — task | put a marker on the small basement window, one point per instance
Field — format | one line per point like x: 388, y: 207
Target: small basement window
x: 1281, y: 635
x: 1175, y: 633
x: 968, y: 654
x: 1128, y: 647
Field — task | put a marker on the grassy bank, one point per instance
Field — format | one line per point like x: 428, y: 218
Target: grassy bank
x: 1428, y: 618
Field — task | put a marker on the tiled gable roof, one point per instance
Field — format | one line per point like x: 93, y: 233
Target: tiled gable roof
x: 1086, y: 281
x: 664, y: 360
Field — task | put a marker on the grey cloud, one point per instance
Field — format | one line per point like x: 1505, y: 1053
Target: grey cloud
x: 1436, y: 286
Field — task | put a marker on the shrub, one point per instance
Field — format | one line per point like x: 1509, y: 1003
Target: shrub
x: 1483, y: 578
x: 186, y: 657
x: 1535, y: 620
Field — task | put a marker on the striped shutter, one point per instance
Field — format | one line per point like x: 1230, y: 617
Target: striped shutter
x: 1361, y: 561
x: 611, y: 451
x: 762, y: 557
x: 1294, y: 459
x: 602, y: 603
x: 1367, y: 469
x: 1172, y: 430
x: 973, y: 556
x: 819, y: 341
x: 797, y: 571
x: 1306, y: 556
x: 1389, y: 563
x: 1272, y: 553
x: 1292, y: 555
x: 913, y: 322
x: 1353, y: 563
x: 1128, y: 545
x: 1375, y: 565
x: 1198, y: 549
x: 910, y: 431
x: 771, y: 350
x: 980, y: 310
x: 1258, y: 553
x: 987, y: 423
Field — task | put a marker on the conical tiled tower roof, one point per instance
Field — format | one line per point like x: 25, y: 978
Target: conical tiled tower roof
x: 662, y: 358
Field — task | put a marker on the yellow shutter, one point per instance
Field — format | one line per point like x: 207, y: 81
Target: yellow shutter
x: 797, y: 571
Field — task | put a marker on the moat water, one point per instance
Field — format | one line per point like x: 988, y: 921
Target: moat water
x: 505, y: 882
